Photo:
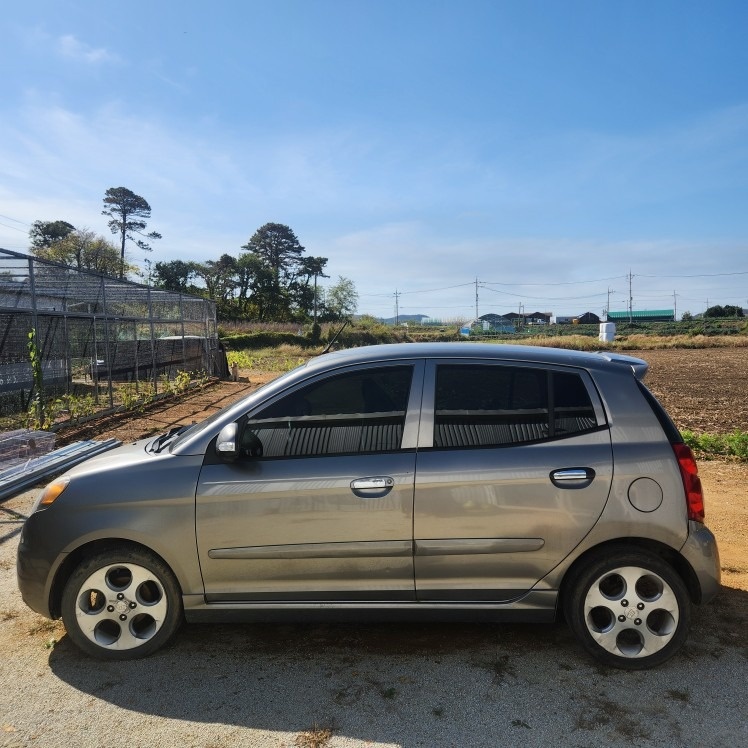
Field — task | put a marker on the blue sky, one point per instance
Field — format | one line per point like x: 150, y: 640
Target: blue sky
x: 545, y: 148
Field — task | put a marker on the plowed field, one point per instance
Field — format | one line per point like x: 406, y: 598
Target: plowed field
x: 704, y: 390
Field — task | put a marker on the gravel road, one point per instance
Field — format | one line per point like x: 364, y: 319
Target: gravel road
x: 345, y: 686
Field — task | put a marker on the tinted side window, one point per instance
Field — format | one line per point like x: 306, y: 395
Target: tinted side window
x: 361, y: 411
x: 572, y: 410
x: 479, y: 406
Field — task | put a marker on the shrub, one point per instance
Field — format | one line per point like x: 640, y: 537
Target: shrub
x: 255, y: 340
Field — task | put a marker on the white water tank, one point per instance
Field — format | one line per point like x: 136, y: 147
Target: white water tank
x: 607, y: 332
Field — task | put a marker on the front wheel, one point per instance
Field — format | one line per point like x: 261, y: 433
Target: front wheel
x: 629, y: 609
x: 121, y: 604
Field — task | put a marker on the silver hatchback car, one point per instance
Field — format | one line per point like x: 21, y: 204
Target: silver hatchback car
x: 487, y: 482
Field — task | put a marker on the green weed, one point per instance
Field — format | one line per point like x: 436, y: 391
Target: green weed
x: 718, y: 445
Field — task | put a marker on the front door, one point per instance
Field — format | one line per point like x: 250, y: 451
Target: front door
x: 326, y: 511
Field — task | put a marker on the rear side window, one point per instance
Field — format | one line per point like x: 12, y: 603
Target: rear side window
x: 355, y: 412
x: 481, y: 406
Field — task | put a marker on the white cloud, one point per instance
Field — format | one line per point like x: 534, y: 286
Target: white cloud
x: 71, y: 47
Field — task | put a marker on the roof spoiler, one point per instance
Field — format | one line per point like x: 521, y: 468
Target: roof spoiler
x: 639, y: 367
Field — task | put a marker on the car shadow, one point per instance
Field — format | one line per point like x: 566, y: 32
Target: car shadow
x: 408, y: 684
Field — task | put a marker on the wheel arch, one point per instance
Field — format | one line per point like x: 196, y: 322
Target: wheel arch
x: 91, y: 548
x: 622, y: 545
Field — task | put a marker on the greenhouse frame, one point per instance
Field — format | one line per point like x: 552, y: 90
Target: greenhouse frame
x: 92, y: 331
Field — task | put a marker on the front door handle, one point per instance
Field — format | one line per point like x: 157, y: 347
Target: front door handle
x: 572, y: 477
x: 372, y: 488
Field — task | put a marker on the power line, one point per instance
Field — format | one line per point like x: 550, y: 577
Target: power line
x: 15, y: 228
x: 561, y: 283
x: 703, y: 275
x: 488, y: 284
x: 427, y: 290
x: 15, y: 220
x: 544, y: 298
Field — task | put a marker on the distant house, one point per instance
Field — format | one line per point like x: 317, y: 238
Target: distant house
x: 651, y: 315
x: 588, y: 318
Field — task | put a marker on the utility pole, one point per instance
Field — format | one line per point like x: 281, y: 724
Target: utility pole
x: 476, y: 299
x: 675, y: 306
x: 315, y: 298
x: 607, y: 308
x: 631, y: 300
x: 397, y: 308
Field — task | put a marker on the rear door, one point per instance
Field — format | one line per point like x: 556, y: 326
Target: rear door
x: 326, y: 512
x: 514, y: 468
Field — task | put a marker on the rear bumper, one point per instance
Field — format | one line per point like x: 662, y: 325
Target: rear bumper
x: 701, y: 552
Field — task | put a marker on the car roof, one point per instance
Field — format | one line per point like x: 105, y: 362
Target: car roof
x: 492, y: 351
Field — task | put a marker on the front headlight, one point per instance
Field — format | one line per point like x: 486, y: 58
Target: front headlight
x: 51, y: 493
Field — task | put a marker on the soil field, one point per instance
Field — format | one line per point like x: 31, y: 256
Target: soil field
x: 704, y: 390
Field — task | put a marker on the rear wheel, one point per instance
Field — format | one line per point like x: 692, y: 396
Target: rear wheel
x: 629, y: 609
x: 121, y: 604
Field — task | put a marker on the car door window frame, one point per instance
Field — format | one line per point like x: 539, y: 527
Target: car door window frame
x: 411, y: 421
x: 428, y: 412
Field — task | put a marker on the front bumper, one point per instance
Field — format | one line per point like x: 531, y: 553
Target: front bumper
x: 35, y: 572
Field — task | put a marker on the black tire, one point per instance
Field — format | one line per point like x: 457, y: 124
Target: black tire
x: 628, y: 608
x: 121, y: 604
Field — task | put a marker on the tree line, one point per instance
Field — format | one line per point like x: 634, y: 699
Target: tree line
x: 271, y: 280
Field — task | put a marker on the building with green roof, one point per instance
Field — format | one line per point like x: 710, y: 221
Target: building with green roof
x: 645, y: 315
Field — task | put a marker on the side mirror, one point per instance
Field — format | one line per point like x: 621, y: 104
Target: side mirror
x: 227, y: 443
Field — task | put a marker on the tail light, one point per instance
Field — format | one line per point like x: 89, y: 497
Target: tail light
x: 691, y: 482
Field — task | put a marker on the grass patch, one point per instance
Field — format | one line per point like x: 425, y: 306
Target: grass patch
x: 316, y: 736
x: 280, y: 359
x: 718, y: 445
x: 46, y: 626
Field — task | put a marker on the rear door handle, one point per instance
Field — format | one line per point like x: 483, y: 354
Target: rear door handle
x: 572, y: 477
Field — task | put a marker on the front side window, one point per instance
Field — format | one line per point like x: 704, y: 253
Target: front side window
x: 481, y: 406
x: 361, y: 411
